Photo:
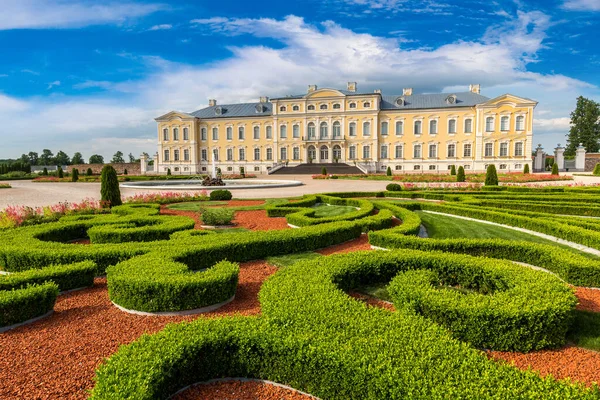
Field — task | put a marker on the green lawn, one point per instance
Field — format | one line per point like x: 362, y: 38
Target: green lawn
x: 326, y: 210
x: 377, y: 290
x: 444, y: 227
x: 289, y: 259
x: 197, y: 205
x: 585, y: 331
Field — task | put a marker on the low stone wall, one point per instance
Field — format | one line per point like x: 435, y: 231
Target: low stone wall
x: 591, y: 159
x: 132, y: 168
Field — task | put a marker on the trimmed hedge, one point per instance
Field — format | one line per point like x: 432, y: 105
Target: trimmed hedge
x: 315, y: 338
x: 220, y: 194
x: 66, y: 277
x: 20, y: 305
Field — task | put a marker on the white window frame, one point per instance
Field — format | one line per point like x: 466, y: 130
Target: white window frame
x: 366, y: 152
x: 470, y: 148
x: 166, y: 155
x: 366, y: 128
x: 269, y: 132
x: 257, y: 154
x: 241, y: 133
x: 503, y: 146
x: 489, y: 145
x: 283, y: 131
x: 186, y: 154
x: 242, y: 154
x: 493, y: 124
x: 383, y: 151
x: 399, y: 132
x: 502, y: 126
x: 186, y: 133
x: 420, y: 153
x: 203, y: 133
x: 352, y: 129
x: 229, y: 133
x: 517, y: 122
x: 453, y: 150
x: 229, y: 154
x: 420, y: 130
x: 165, y: 134
x: 522, y: 146
x: 450, y: 131
x: 269, y: 154
x: 435, y: 150
x: 465, y: 125
x: 296, y: 131
x: 433, y: 122
x: 385, y: 127
x: 399, y: 151
x: 256, y: 132
x: 215, y: 133
x: 352, y: 152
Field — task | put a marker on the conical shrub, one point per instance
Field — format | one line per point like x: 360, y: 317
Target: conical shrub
x: 554, y: 169
x: 110, y: 194
x: 460, y: 175
x: 526, y: 169
x: 453, y: 170
x: 74, y: 175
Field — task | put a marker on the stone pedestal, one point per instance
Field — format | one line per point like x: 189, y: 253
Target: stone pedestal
x: 539, y: 161
x: 580, y: 158
x: 143, y: 164
x: 559, y: 158
x: 156, y: 169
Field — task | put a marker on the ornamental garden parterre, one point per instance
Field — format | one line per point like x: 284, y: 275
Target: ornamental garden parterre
x: 461, y: 292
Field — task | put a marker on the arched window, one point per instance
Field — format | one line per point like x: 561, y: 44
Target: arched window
x: 283, y: 152
x: 165, y: 134
x: 186, y: 134
x: 520, y: 123
x: 242, y: 154
x: 432, y: 127
x: 296, y: 108
x: 337, y: 130
x: 418, y: 127
x: 352, y: 153
x: 216, y: 154
x: 323, y: 107
x: 296, y: 153
x: 366, y: 152
x: 311, y: 108
x: 323, y: 130
x: 417, y: 151
x: 337, y: 152
x: 296, y: 131
x: 215, y: 133
x: 311, y: 130
x: 366, y: 129
x: 399, y: 128
x: 366, y: 104
x: 229, y: 154
x: 324, y: 153
x: 203, y: 134
x: 468, y: 125
x: 269, y: 154
x: 282, y: 108
x: 283, y: 131
x: 489, y: 124
x: 312, y: 153
x: 186, y: 155
x: 452, y: 126
x: 269, y: 132
x: 336, y: 106
x: 256, y: 131
x: 256, y: 154
x: 504, y: 123
x: 241, y: 133
x: 352, y: 129
x: 175, y: 133
x: 399, y: 153
x: 352, y: 105
x: 229, y: 133
x: 384, y: 128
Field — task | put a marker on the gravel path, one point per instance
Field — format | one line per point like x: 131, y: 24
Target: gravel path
x: 241, y: 390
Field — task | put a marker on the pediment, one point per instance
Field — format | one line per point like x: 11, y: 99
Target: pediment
x: 509, y: 99
x: 325, y: 93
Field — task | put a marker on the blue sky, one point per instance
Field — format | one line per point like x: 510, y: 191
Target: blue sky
x: 90, y: 76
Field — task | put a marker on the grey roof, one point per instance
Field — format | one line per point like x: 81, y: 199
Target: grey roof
x: 345, y: 92
x: 415, y: 101
x: 234, y: 110
x: 434, y: 100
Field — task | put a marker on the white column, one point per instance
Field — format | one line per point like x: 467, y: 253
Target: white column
x: 538, y: 163
x: 559, y: 158
x: 580, y: 158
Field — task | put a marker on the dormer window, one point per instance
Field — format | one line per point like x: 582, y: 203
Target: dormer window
x: 311, y: 108
x: 336, y: 106
x: 323, y: 107
x: 296, y: 108
x: 451, y: 99
x: 366, y: 104
x: 259, y: 108
x: 400, y: 101
x: 282, y: 108
x: 352, y: 105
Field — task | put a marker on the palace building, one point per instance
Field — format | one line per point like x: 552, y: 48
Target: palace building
x: 408, y: 132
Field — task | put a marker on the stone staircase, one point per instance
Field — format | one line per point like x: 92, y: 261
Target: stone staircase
x: 314, y: 169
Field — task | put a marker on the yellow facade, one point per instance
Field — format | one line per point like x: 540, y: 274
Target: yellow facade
x: 408, y: 133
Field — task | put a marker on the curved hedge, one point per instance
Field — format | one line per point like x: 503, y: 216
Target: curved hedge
x: 314, y: 337
x: 20, y: 305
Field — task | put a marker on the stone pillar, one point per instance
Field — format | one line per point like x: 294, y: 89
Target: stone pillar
x: 580, y: 158
x: 538, y: 163
x: 559, y: 158
x: 143, y: 164
x: 156, y: 169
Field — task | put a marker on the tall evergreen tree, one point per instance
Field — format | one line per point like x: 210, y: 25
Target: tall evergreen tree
x: 460, y: 176
x: 585, y: 127
x: 491, y: 176
x: 110, y: 194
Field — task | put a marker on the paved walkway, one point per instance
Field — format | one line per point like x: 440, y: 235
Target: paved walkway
x: 36, y: 194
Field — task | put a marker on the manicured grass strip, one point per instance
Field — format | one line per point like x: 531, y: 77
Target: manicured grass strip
x: 325, y: 210
x: 585, y: 330
x: 290, y: 259
x: 198, y: 205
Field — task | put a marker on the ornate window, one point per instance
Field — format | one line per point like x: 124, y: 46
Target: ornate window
x: 520, y: 123
x: 519, y: 149
x: 489, y: 124
x: 418, y: 125
x: 352, y: 153
x: 186, y: 134
x: 229, y: 131
x: 215, y: 133
x: 203, y: 155
x: 311, y: 107
x: 186, y: 155
x: 399, y: 151
x: 241, y: 133
x: 296, y: 108
x: 323, y: 107
x: 229, y: 154
x: 352, y: 129
x: 282, y: 108
x: 296, y: 153
x: 311, y: 130
x: 175, y: 133
x: 337, y: 106
x: 352, y: 105
x: 489, y: 150
x: 384, y: 151
x: 366, y: 129
x: 337, y: 129
x: 467, y: 150
x: 417, y: 151
x: 283, y: 152
x: 269, y: 154
x: 504, y: 123
x: 165, y: 134
x: 203, y: 134
x: 432, y: 127
x: 166, y: 155
x: 432, y: 168
x: 323, y: 130
x: 399, y: 128
x: 256, y: 154
x: 503, y: 149
x: 468, y: 125
x: 216, y: 154
x: 433, y: 151
x: 283, y: 131
x: 366, y: 104
x: 296, y: 131
x: 366, y: 152
x: 242, y: 154
x: 384, y: 128
x: 452, y: 126
x: 256, y: 131
x: 451, y: 150
x: 269, y: 131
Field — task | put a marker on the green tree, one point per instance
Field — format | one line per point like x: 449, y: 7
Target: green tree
x: 460, y: 175
x: 110, y: 194
x: 96, y: 159
x: 242, y: 172
x: 585, y: 127
x: 74, y: 175
x: 24, y: 158
x: 46, y: 157
x: 597, y: 169
x: 60, y: 172
x: 132, y: 158
x: 62, y: 158
x: 554, y: 169
x: 491, y: 176
x: 45, y: 171
x: 77, y: 159
x: 388, y: 172
x: 526, y: 169
x: 453, y: 170
x: 118, y: 157
x: 89, y: 172
x: 33, y: 157
x: 323, y: 171
x: 168, y: 171
x: 125, y: 171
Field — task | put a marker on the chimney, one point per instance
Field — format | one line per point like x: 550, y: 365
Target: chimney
x: 264, y: 99
x: 475, y: 88
x: 407, y: 92
x: 352, y: 87
x: 377, y: 91
x: 212, y: 102
x: 312, y: 88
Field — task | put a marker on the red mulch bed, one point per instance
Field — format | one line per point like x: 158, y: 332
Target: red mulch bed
x: 238, y: 390
x: 589, y: 299
x: 55, y: 358
x: 358, y: 244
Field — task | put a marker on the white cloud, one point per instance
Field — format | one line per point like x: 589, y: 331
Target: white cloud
x: 93, y: 84
x: 37, y: 14
x: 161, y: 27
x: 582, y: 5
x: 29, y: 71
x: 53, y: 84
x: 327, y: 55
x: 416, y: 6
x: 3, y: 75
